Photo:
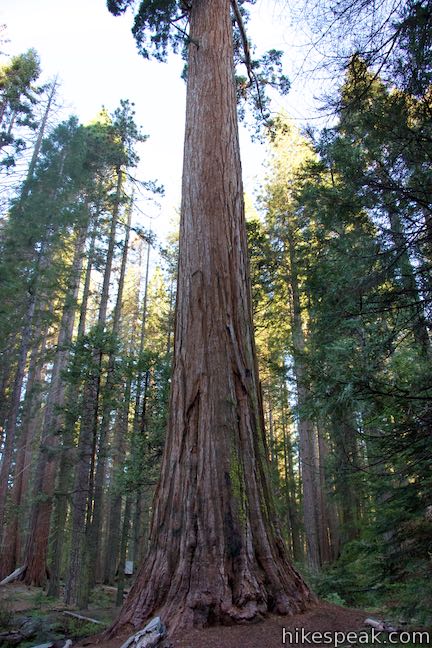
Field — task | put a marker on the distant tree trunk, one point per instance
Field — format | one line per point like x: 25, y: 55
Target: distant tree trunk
x: 324, y: 525
x: 345, y: 452
x: 215, y: 554
x: 41, y: 262
x: 123, y: 550
x: 39, y: 139
x: 94, y: 531
x: 64, y: 484
x: 35, y: 557
x: 139, y: 413
x: 11, y: 552
x: 12, y: 418
x: 6, y: 378
x: 115, y: 498
x: 290, y: 481
x: 418, y: 325
x: 330, y: 503
x: 77, y: 590
x: 293, y: 517
x: 272, y: 439
x: 307, y: 434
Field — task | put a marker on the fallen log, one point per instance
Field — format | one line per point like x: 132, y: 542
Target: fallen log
x: 149, y: 637
x: 82, y: 618
x: 381, y: 626
x: 14, y: 576
x: 62, y: 643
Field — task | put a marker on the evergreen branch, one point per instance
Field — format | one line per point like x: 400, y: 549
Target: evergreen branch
x: 183, y: 31
x: 247, y: 56
x: 246, y: 49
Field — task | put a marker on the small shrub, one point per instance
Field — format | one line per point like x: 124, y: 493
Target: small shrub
x: 76, y: 628
x: 334, y: 597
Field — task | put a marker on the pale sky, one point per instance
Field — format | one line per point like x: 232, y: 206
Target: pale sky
x: 95, y: 57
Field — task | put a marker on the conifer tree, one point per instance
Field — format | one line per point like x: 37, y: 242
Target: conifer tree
x: 212, y: 558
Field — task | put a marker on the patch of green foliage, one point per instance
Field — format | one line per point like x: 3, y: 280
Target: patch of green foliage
x: 76, y: 628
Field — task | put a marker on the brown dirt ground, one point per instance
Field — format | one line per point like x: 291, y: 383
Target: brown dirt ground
x: 265, y: 634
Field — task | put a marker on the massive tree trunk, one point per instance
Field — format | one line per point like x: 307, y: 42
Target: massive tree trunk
x: 215, y: 553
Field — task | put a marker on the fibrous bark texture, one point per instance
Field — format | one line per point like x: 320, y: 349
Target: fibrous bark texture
x: 215, y: 552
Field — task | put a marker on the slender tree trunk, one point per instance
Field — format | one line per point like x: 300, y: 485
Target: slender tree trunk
x: 66, y: 464
x: 140, y: 406
x: 323, y: 522
x: 77, y: 589
x: 215, y: 554
x: 39, y: 139
x: 123, y: 550
x: 6, y: 378
x: 293, y: 517
x: 307, y: 433
x: 418, y: 322
x: 272, y: 440
x: 13, y: 539
x: 290, y: 480
x: 94, y: 532
x: 115, y: 497
x: 12, y: 419
x: 42, y: 261
x: 330, y: 504
x: 345, y: 452
x: 35, y: 557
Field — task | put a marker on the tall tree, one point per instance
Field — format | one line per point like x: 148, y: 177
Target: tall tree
x: 215, y: 552
x: 17, y: 98
x: 120, y: 134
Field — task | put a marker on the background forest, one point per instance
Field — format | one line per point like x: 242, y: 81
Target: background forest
x: 340, y: 241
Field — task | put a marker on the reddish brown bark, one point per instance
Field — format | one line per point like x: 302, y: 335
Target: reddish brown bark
x: 13, y: 537
x: 215, y: 553
x: 12, y: 419
x: 35, y: 557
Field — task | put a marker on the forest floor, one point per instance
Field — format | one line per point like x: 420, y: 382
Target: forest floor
x: 27, y: 609
x: 324, y: 617
x: 29, y: 618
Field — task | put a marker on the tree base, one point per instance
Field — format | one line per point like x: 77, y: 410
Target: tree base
x: 184, y: 610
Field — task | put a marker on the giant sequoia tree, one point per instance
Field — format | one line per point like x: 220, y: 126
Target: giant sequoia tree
x: 215, y: 551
